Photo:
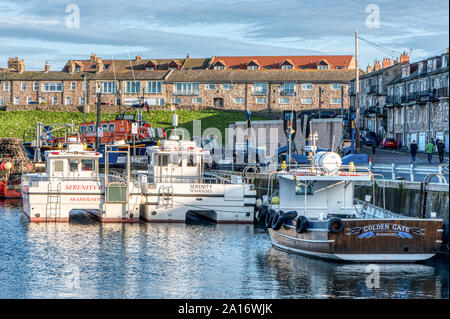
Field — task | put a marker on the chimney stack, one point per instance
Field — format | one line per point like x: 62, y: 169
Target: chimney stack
x: 16, y: 64
x: 386, y: 63
x: 187, y: 56
x: 46, y: 67
x: 138, y: 58
x: 99, y: 65
x: 377, y: 65
x: 369, y: 68
x: 404, y: 58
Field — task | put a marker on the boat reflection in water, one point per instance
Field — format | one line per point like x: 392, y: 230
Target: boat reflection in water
x: 313, y: 278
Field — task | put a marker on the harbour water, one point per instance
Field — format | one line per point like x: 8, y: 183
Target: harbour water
x: 87, y: 259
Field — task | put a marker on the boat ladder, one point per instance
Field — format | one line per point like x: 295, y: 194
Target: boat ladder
x: 53, y: 205
x: 165, y: 196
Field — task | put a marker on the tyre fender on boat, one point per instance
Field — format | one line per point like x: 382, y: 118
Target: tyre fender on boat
x: 301, y: 224
x: 285, y: 217
x: 143, y: 133
x: 261, y: 214
x: 268, y: 220
x: 335, y: 225
x: 276, y: 223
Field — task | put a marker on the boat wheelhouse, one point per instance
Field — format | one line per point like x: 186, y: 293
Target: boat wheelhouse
x: 177, y: 185
x: 316, y: 215
x: 72, y: 181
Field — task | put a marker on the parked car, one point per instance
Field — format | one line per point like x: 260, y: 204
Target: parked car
x: 389, y: 143
x: 369, y: 137
x: 327, y: 114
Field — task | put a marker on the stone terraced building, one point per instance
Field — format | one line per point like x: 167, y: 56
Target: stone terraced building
x: 276, y: 83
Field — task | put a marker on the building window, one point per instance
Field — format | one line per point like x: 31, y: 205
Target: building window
x: 67, y: 102
x: 307, y: 101
x: 133, y: 87
x: 260, y: 88
x: 239, y: 100
x: 24, y: 86
x: 41, y: 99
x: 52, y: 87
x: 154, y: 87
x: 73, y: 86
x: 16, y: 100
x: 176, y: 100
x: 261, y: 100
x: 35, y: 86
x: 436, y: 84
x: 112, y: 127
x: 336, y: 86
x: 339, y: 67
x: 77, y: 68
x: 252, y: 67
x: 55, y: 100
x: 322, y: 67
x: 29, y: 100
x: 286, y: 67
x: 5, y: 86
x: 287, y: 88
x: 284, y: 100
x: 336, y: 100
x: 210, y: 86
x: 186, y: 88
x: 197, y: 100
x: 110, y: 87
x: 85, y: 86
x: 306, y: 86
x: 218, y: 67
x: 227, y: 86
x: 1, y: 100
x: 82, y: 101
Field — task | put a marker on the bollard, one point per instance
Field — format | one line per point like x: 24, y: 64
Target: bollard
x: 411, y: 172
x: 393, y: 171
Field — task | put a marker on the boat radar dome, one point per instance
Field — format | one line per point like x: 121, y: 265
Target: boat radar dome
x: 330, y: 162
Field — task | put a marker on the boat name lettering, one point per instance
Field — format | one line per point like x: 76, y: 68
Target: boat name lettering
x: 85, y: 199
x: 196, y: 188
x: 391, y: 230
x: 83, y: 187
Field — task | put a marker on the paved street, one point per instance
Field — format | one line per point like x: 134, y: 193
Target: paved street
x: 383, y: 156
x: 388, y: 157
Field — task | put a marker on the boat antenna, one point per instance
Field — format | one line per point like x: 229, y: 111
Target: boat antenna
x: 132, y: 70
x: 115, y: 78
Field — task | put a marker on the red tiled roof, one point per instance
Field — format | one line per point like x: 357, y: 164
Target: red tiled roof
x: 307, y: 61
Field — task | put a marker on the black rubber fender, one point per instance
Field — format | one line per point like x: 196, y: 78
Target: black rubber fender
x: 276, y: 223
x: 285, y: 217
x: 335, y: 225
x: 262, y: 214
x: 301, y: 224
x: 268, y: 220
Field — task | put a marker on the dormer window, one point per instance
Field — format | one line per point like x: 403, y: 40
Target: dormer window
x: 218, y: 67
x: 77, y: 69
x: 405, y: 71
x: 444, y: 61
x: 420, y: 68
x: 430, y: 65
x: 149, y: 69
x: 322, y: 67
x: 286, y: 67
x: 106, y: 66
x: 252, y: 67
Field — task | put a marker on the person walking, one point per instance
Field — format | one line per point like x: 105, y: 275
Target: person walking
x: 413, y: 148
x: 429, y: 149
x: 441, y: 149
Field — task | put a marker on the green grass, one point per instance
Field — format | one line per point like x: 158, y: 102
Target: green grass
x: 14, y: 123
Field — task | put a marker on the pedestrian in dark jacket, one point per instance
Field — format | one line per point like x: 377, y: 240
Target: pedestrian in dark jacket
x: 441, y: 149
x: 413, y: 150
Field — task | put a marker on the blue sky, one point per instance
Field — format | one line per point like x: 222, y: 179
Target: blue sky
x: 37, y: 30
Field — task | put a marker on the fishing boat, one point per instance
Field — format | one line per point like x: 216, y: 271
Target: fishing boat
x: 176, y: 185
x: 315, y: 214
x: 72, y: 181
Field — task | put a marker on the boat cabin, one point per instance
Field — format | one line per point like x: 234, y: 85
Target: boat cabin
x: 74, y: 162
x: 175, y: 161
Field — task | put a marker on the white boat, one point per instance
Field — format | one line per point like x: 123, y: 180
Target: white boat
x: 72, y: 181
x: 176, y: 184
x: 316, y: 215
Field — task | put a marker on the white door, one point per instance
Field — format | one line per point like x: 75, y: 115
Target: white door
x: 422, y: 141
x: 446, y: 141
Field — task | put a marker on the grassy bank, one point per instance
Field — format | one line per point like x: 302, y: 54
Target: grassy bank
x: 14, y: 123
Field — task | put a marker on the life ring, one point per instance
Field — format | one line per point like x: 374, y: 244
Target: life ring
x: 276, y: 224
x: 335, y: 225
x: 301, y: 224
x: 261, y: 214
x: 143, y: 133
x: 268, y: 219
x: 285, y: 217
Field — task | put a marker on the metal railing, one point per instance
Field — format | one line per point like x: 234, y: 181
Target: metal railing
x: 412, y: 170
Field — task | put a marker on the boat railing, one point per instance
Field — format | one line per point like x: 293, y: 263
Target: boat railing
x: 191, y: 179
x: 372, y: 211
